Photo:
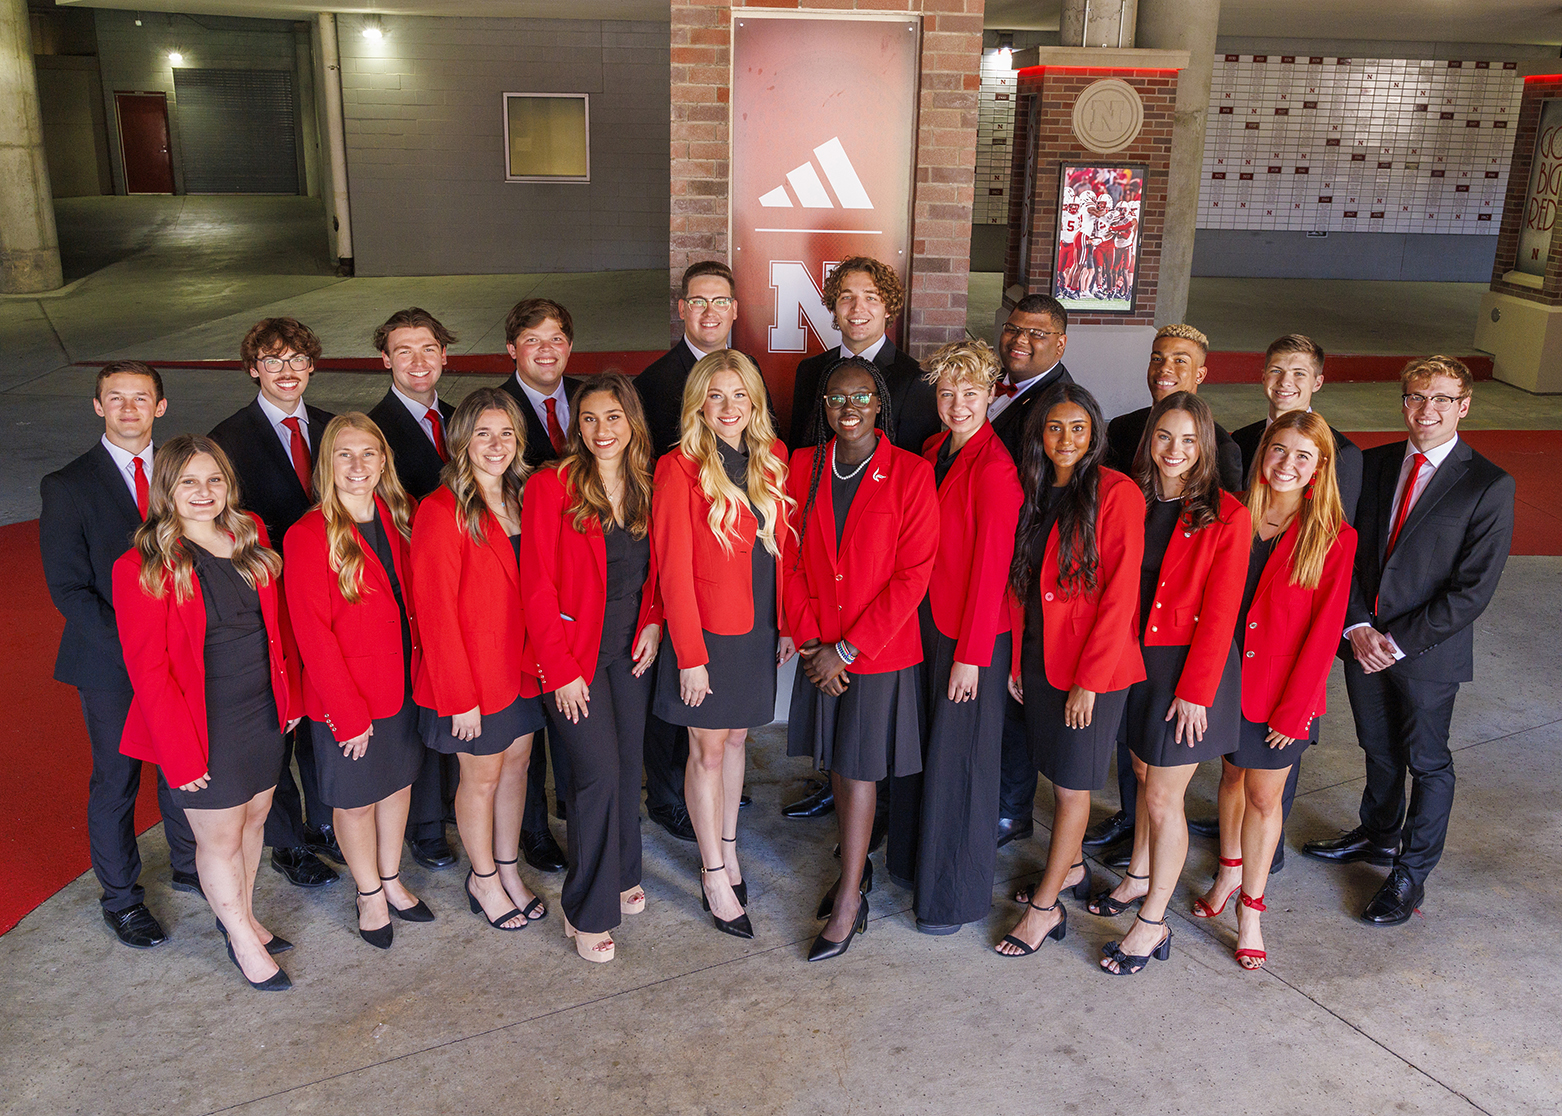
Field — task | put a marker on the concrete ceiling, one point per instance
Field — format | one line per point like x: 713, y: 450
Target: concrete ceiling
x: 1468, y: 21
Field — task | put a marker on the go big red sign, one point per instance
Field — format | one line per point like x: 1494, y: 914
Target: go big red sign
x: 1545, y: 192
x: 823, y: 154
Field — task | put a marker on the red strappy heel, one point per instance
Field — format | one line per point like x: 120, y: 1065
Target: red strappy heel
x: 1256, y: 956
x: 1201, y: 909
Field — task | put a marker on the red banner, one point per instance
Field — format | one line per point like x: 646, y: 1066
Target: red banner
x: 823, y: 155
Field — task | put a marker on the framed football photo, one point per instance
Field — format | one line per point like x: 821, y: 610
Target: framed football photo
x: 1095, y: 262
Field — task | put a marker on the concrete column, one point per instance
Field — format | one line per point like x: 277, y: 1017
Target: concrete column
x: 29, y: 245
x: 1188, y: 25
x: 335, y: 138
x: 1098, y: 23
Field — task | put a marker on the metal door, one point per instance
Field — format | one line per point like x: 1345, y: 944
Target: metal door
x: 143, y: 142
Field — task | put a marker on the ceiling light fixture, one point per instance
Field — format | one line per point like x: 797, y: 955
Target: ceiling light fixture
x: 373, y: 30
x: 175, y: 57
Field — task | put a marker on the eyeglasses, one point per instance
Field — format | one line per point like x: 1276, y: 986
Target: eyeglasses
x: 1037, y: 335
x: 836, y: 401
x: 722, y: 303
x: 1438, y: 402
x: 298, y: 362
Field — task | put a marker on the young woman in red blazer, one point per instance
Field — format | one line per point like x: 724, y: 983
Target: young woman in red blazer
x: 1289, y: 624
x: 211, y: 660
x: 348, y: 564
x: 594, y: 620
x: 943, y: 833
x: 1074, y: 599
x: 855, y: 574
x: 1186, y: 710
x: 474, y: 684
x: 719, y: 520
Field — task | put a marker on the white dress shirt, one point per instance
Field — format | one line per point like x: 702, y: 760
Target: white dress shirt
x: 535, y: 397
x: 1001, y: 403
x: 419, y: 412
x: 127, y: 471
x: 277, y: 414
x: 867, y: 354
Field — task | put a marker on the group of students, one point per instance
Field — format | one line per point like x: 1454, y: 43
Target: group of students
x: 995, y: 569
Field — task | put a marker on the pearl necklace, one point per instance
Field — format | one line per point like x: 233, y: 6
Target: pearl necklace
x: 860, y: 466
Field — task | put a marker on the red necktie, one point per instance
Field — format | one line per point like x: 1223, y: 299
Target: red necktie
x: 143, y: 490
x: 555, y: 431
x: 439, y: 433
x: 300, y: 449
x: 1405, y: 501
x: 1004, y: 389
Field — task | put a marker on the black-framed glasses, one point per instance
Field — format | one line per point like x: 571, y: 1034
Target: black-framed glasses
x: 298, y: 362
x: 721, y: 303
x: 835, y: 400
x: 1438, y: 402
x: 1037, y: 335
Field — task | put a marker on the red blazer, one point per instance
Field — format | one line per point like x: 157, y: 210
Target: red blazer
x: 566, y: 583
x: 703, y: 588
x: 978, y: 511
x: 165, y: 655
x: 1198, y: 594
x: 1092, y: 639
x: 867, y: 590
x: 353, y: 670
x: 472, y: 622
x: 1291, y: 637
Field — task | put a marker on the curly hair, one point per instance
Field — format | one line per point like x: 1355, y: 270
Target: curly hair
x: 884, y: 278
x: 274, y: 335
x: 964, y: 362
x: 1187, y: 333
x: 1426, y: 367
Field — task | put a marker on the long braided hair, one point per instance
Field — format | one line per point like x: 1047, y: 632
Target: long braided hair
x: 819, y: 432
x: 1078, y: 503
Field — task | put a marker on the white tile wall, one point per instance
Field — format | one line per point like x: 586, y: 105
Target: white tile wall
x: 994, y: 140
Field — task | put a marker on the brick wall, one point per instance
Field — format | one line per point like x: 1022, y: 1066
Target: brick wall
x: 1058, y: 88
x: 1536, y: 91
x: 946, y: 150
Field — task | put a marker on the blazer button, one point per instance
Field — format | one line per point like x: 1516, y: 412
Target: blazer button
x: 1187, y: 534
x: 1157, y: 604
x: 1250, y: 654
x: 1252, y: 623
x: 1153, y: 628
x: 840, y: 577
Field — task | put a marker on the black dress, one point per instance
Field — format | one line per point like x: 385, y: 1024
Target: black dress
x: 1252, y: 749
x: 395, y: 753
x: 244, y: 740
x: 742, y: 668
x: 872, y: 730
x: 522, y: 717
x: 1074, y: 759
x: 1150, y: 735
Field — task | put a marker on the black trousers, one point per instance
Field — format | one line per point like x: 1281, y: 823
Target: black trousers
x: 1402, y: 725
x: 606, y: 751
x: 1128, y: 786
x: 433, y: 796
x: 666, y: 758
x: 545, y: 747
x: 285, y: 823
x: 111, y: 805
x: 1017, y: 790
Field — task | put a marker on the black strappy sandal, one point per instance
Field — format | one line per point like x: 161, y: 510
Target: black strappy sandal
x: 535, y: 905
x: 1130, y: 963
x: 1057, y: 934
x: 1107, y: 907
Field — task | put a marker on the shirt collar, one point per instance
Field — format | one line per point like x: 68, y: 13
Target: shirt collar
x: 699, y: 354
x: 536, y: 396
x: 277, y: 414
x: 1022, y: 386
x: 123, y: 457
x: 419, y: 411
x: 869, y: 353
x: 1434, y: 457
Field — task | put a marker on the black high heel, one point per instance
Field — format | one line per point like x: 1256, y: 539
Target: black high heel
x: 1080, y: 891
x: 1107, y: 907
x: 823, y: 948
x: 380, y: 937
x: 739, y: 927
x: 535, y: 905
x: 740, y: 889
x: 1130, y: 963
x: 418, y: 913
x: 1057, y: 933
x: 277, y: 944
x: 477, y: 908
x: 276, y: 982
x: 827, y: 904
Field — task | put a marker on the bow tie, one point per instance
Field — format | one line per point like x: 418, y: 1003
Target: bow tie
x: 1004, y: 389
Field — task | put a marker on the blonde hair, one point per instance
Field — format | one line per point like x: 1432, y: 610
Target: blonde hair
x: 766, y: 484
x: 969, y: 362
x: 582, y: 475
x: 343, y: 549
x: 458, y: 476
x: 166, y: 558
x: 1187, y: 333
x: 1425, y: 368
x: 1321, y: 516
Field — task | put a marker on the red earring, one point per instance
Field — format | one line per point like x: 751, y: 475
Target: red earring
x: 1308, y: 495
x: 1261, y: 479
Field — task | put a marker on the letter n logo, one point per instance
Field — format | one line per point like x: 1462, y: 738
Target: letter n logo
x: 799, y: 309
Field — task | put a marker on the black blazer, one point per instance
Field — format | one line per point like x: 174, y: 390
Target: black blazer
x: 1347, y: 462
x: 913, y: 404
x: 661, y: 392
x: 417, y: 464
x: 268, y: 486
x: 539, y: 449
x: 1122, y: 443
x: 1010, y: 425
x: 1445, y: 566
x: 87, y: 519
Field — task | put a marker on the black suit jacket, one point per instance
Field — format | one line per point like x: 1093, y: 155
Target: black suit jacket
x: 539, y: 449
x: 1010, y: 425
x: 417, y: 464
x: 87, y: 519
x: 1446, y: 562
x: 1122, y: 443
x: 1347, y: 461
x: 913, y: 404
x: 661, y: 392
x: 268, y: 486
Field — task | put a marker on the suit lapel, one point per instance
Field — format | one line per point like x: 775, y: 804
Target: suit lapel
x: 1279, y: 559
x: 503, y: 552
x: 281, y: 461
x: 118, y: 492
x: 1446, y: 476
x: 1388, y: 482
x: 374, y: 569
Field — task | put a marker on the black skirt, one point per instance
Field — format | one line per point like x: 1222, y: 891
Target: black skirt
x: 391, y: 762
x: 1153, y: 738
x: 1074, y: 759
x: 1252, y: 750
x: 523, y: 716
x: 872, y: 730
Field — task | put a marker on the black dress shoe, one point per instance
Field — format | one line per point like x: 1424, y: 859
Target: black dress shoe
x: 674, y: 819
x: 1396, y: 900
x: 541, y: 851
x: 302, y: 867
x: 1119, y: 858
x: 744, y: 800
x: 1014, y: 829
x: 938, y: 929
x: 432, y: 852
x: 1204, y: 827
x: 816, y: 804
x: 136, y: 927
x: 823, y: 948
x: 322, y: 842
x: 1109, y: 832
x: 276, y: 982
x: 186, y: 881
x: 1352, y: 846
x: 277, y: 944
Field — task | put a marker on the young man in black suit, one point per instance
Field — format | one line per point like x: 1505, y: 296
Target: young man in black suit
x: 272, y: 444
x: 539, y: 335
x: 413, y: 418
x: 1434, y: 527
x: 91, y: 508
